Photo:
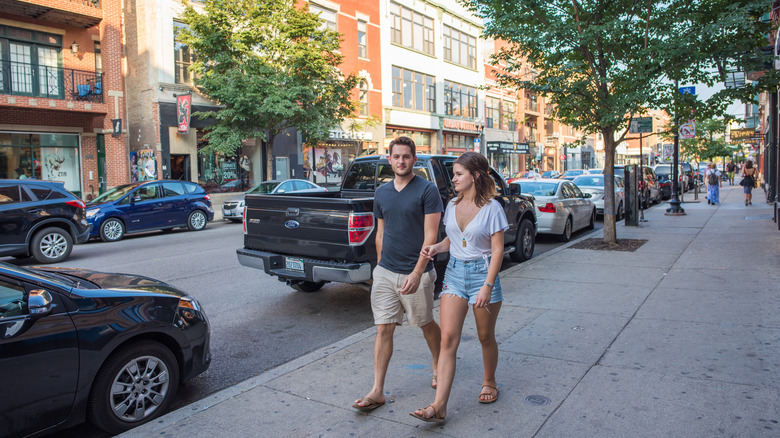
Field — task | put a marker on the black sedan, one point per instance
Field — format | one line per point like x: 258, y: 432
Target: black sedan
x: 80, y: 345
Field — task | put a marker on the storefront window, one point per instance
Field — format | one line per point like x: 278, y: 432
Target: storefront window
x: 422, y: 139
x: 50, y: 157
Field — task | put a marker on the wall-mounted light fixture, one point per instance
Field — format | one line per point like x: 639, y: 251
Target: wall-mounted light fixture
x: 74, y: 48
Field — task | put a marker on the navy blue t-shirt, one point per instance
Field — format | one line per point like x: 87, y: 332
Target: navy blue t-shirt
x: 404, y: 215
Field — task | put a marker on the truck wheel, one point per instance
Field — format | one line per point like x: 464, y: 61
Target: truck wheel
x: 524, y: 243
x: 308, y: 286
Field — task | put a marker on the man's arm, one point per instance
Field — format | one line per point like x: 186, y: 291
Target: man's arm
x: 380, y: 233
x: 431, y: 227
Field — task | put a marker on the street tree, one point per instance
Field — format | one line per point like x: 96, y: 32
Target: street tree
x: 602, y: 63
x: 709, y: 142
x: 271, y: 66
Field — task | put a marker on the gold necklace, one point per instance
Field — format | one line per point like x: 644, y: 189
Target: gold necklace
x: 462, y: 228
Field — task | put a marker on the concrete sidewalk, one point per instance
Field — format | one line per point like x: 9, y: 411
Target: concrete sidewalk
x: 680, y: 338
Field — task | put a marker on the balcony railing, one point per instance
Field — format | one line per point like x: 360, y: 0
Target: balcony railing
x: 22, y: 79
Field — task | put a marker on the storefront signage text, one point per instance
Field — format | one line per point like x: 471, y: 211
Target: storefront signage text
x: 336, y: 134
x: 506, y: 147
x: 742, y: 135
x: 461, y: 125
x: 183, y: 107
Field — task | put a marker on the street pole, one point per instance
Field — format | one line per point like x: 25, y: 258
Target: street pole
x: 674, y: 204
x: 641, y: 182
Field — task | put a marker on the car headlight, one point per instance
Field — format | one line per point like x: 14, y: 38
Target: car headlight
x: 91, y: 213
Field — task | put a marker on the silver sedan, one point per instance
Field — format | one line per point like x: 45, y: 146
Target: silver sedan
x: 561, y: 207
x: 594, y: 185
x: 234, y: 208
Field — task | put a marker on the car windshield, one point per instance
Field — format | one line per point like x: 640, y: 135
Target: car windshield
x: 113, y: 194
x: 547, y: 174
x: 589, y: 180
x: 665, y: 170
x: 266, y: 187
x: 572, y: 173
x: 537, y: 188
x: 596, y: 171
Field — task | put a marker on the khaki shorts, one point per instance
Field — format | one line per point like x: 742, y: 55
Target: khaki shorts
x: 389, y: 305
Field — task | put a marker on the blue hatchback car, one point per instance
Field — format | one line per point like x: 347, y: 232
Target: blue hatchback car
x: 149, y: 205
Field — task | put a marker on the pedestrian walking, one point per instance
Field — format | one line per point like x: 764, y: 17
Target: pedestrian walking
x: 730, y: 168
x: 749, y: 178
x: 475, y: 225
x: 407, y: 211
x: 713, y: 184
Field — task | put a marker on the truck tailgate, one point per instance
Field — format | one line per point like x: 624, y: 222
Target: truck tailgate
x: 306, y: 226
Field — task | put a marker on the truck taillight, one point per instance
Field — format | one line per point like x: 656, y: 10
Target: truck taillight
x: 547, y: 208
x: 360, y: 227
x: 244, y: 221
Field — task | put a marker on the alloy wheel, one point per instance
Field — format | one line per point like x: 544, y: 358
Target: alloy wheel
x: 139, y: 388
x: 53, y: 245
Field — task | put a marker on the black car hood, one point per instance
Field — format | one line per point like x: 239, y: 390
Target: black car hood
x: 107, y: 280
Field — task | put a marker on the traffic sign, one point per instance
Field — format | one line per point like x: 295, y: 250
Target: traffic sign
x: 563, y: 157
x: 688, y: 90
x: 641, y: 125
x: 688, y: 130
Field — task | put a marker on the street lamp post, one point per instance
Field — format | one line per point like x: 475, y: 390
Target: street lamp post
x: 674, y: 204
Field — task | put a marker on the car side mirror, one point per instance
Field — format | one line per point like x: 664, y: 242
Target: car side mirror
x: 515, y: 189
x: 39, y: 302
x: 135, y: 199
x: 587, y: 195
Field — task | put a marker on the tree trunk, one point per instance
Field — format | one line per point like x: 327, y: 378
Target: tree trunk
x: 610, y: 233
x: 269, y: 157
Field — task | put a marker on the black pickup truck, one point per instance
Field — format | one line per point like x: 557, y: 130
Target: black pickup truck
x: 308, y: 239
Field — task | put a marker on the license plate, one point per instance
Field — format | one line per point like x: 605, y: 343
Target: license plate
x: 229, y: 213
x: 293, y: 264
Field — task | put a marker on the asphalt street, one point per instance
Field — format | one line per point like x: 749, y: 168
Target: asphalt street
x: 257, y: 322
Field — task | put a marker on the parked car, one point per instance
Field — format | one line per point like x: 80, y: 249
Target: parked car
x: 526, y: 174
x: 561, y: 207
x: 40, y: 219
x: 573, y: 173
x: 649, y: 190
x: 149, y: 205
x: 551, y: 174
x: 595, y: 171
x: 594, y: 185
x: 83, y: 345
x: 233, y: 209
x: 663, y: 173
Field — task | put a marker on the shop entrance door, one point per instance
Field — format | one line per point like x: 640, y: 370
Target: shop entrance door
x: 282, y: 168
x: 180, y: 167
x: 101, y: 163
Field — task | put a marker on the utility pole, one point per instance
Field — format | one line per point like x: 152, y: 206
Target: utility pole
x: 674, y: 204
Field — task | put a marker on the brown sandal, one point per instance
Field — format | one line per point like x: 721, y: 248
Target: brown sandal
x: 436, y: 418
x: 492, y: 398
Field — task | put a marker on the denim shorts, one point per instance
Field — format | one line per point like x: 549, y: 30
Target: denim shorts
x: 464, y: 278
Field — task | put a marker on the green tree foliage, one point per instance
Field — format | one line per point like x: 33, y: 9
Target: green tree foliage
x: 271, y: 66
x: 603, y: 62
x: 708, y: 144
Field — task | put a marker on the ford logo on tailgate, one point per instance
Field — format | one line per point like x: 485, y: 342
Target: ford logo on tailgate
x: 292, y: 224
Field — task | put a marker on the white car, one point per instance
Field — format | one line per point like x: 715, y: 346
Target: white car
x: 594, y: 185
x: 233, y: 209
x: 561, y: 207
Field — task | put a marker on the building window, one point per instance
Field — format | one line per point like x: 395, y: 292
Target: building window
x: 508, y: 113
x: 31, y: 63
x: 531, y: 102
x: 458, y: 142
x: 422, y: 139
x: 411, y: 29
x: 183, y: 55
x: 460, y: 48
x: 362, y: 39
x: 413, y: 90
x: 460, y: 100
x: 363, y: 97
x: 98, y: 59
x: 492, y: 113
x: 328, y: 16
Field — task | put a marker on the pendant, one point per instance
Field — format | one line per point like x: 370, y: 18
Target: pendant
x: 464, y: 242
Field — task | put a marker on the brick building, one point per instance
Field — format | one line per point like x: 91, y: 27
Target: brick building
x: 61, y: 85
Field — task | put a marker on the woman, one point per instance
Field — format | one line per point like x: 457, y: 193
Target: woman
x: 713, y: 184
x: 748, y: 181
x: 475, y: 225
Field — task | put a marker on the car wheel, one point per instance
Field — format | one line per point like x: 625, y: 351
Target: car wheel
x: 592, y: 223
x: 112, y: 230
x: 619, y: 214
x: 196, y: 221
x: 308, y: 286
x: 566, y: 235
x: 135, y: 385
x: 524, y: 243
x: 51, y: 245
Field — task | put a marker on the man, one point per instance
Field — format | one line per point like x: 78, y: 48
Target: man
x: 730, y: 168
x: 407, y: 211
x: 713, y: 185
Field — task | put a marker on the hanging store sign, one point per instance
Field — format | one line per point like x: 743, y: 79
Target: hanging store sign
x: 505, y: 147
x: 742, y: 135
x: 460, y: 125
x: 183, y: 108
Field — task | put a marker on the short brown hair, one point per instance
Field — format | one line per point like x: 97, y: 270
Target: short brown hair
x: 477, y: 165
x: 403, y: 140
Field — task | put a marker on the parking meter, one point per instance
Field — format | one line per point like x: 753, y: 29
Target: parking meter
x: 631, y: 194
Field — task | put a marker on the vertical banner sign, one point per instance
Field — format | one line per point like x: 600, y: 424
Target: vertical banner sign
x: 183, y: 107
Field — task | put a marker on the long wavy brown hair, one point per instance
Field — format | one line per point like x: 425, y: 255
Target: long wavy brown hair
x: 477, y: 165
